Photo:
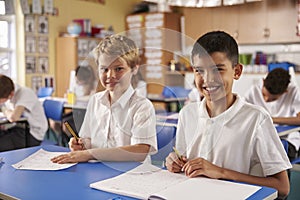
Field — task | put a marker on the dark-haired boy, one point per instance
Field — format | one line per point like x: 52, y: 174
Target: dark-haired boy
x: 281, y: 99
x: 223, y: 137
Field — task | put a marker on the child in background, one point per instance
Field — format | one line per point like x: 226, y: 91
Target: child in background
x: 223, y: 137
x: 281, y: 99
x: 85, y: 84
x: 17, y: 101
x: 119, y: 125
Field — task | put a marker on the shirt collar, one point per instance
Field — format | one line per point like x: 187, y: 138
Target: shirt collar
x: 125, y: 96
x: 122, y: 100
x: 225, y: 116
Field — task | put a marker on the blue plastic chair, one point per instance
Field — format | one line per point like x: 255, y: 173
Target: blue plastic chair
x: 165, y: 143
x: 44, y: 92
x: 285, y: 145
x: 54, y: 110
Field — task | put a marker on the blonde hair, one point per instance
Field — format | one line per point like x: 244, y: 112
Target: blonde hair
x: 119, y: 46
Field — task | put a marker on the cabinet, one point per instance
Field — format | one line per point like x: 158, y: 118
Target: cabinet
x: 70, y: 53
x: 268, y: 21
x: 158, y: 36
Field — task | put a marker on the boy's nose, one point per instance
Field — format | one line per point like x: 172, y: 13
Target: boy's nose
x: 208, y: 76
x: 111, y: 73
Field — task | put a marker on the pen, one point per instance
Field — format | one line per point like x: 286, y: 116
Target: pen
x: 71, y: 130
x: 177, y: 153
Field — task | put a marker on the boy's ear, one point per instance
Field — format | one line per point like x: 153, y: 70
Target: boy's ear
x: 238, y: 69
x: 135, y: 69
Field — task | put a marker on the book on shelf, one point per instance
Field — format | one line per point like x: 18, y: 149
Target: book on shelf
x: 151, y: 182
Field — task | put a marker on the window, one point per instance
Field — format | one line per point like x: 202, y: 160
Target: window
x: 7, y: 42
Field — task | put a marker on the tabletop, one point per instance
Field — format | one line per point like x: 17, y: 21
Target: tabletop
x: 71, y: 183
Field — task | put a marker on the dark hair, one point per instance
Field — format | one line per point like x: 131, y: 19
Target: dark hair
x: 277, y: 81
x: 85, y: 74
x: 217, y: 41
x: 7, y: 86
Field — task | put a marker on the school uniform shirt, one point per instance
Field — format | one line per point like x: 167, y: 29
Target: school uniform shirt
x: 131, y: 120
x: 288, y: 105
x: 243, y: 138
x: 34, y: 111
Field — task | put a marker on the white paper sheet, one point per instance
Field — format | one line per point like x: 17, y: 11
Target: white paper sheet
x: 41, y: 160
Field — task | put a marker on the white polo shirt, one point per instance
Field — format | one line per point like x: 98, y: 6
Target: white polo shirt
x: 242, y: 138
x: 34, y: 111
x: 288, y: 105
x: 129, y: 121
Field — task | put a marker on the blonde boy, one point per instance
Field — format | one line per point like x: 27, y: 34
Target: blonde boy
x: 119, y: 125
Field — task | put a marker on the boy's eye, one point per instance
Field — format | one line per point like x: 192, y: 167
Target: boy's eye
x: 199, y: 70
x: 118, y: 69
x: 103, y: 70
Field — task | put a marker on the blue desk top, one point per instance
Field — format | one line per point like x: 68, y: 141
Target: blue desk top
x: 71, y: 183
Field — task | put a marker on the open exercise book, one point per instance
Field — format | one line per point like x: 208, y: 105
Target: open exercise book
x: 150, y: 182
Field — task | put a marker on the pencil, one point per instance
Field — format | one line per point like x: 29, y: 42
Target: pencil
x: 71, y: 130
x: 177, y: 153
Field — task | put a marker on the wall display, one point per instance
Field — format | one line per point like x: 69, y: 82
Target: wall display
x: 37, y: 48
x: 48, y: 6
x: 43, y: 45
x: 43, y: 65
x: 30, y: 64
x: 36, y: 7
x: 43, y: 24
x: 36, y: 82
x: 25, y: 6
x: 30, y: 46
x: 29, y: 24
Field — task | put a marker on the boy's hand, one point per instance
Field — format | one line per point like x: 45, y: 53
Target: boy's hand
x: 174, y: 164
x: 76, y: 145
x: 202, y: 167
x: 73, y: 157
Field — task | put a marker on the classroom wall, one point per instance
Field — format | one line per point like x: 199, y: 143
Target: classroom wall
x: 113, y: 13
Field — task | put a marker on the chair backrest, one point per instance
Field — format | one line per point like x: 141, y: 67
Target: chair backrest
x: 165, y: 141
x: 285, y: 145
x: 44, y: 92
x: 53, y: 109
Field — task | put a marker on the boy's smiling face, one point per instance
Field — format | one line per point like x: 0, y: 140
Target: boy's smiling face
x: 114, y: 75
x: 214, y: 75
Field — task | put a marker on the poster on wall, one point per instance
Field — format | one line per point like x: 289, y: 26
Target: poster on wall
x: 43, y: 65
x: 43, y: 44
x: 30, y: 64
x: 25, y: 6
x: 29, y: 24
x: 43, y: 24
x: 36, y: 82
x: 30, y: 44
x: 48, y: 6
x: 36, y: 7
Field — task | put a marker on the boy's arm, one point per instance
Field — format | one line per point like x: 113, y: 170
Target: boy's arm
x: 202, y: 167
x: 287, y: 120
x: 137, y: 152
x: 14, y: 115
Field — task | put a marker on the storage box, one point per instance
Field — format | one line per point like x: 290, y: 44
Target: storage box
x: 284, y: 65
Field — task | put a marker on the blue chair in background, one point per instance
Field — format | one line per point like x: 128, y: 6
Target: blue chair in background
x: 45, y: 92
x: 165, y: 143
x: 285, y: 145
x: 54, y: 111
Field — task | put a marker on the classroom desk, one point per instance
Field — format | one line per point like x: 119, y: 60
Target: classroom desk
x: 285, y: 130
x: 71, y: 183
x: 171, y: 104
